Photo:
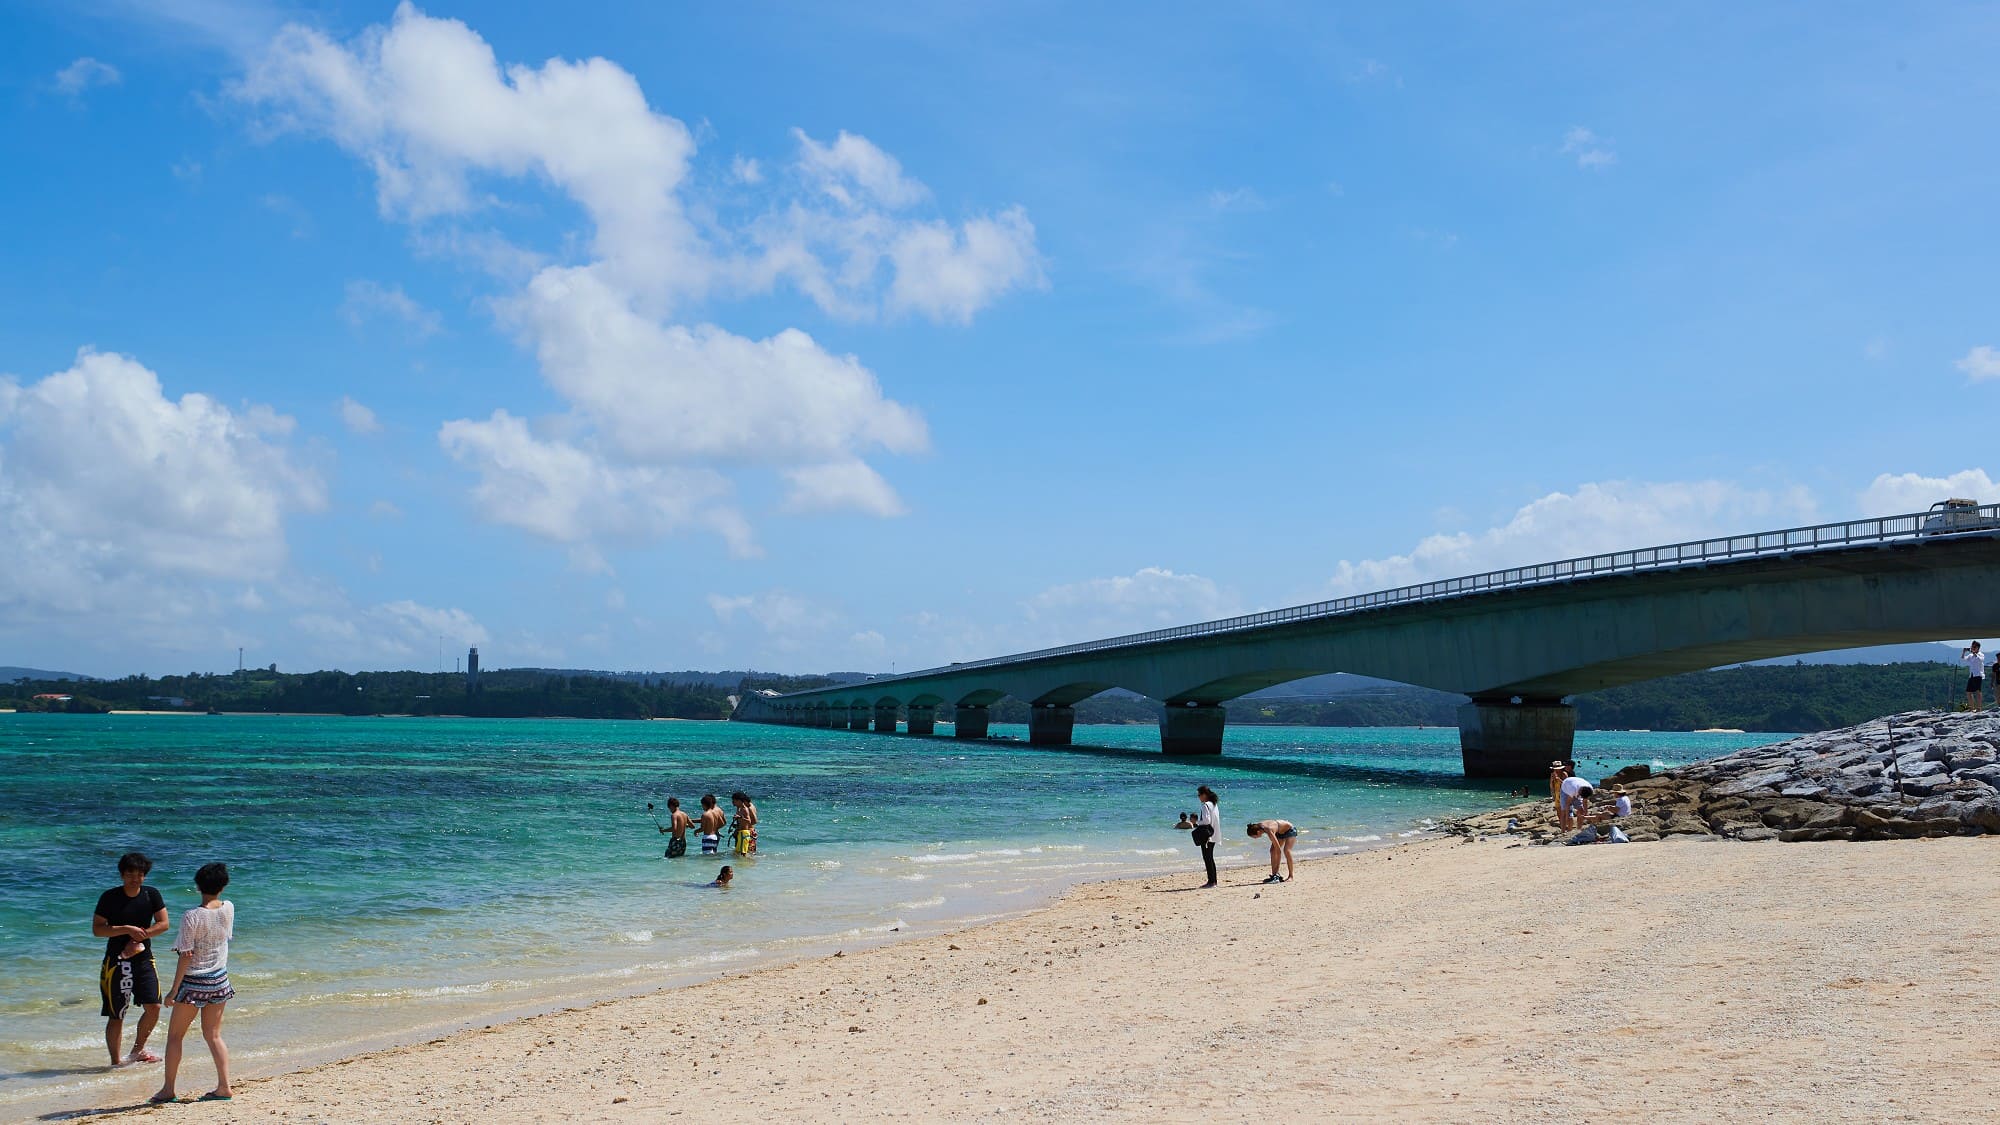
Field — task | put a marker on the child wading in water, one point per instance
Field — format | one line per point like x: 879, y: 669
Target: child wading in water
x: 201, y: 982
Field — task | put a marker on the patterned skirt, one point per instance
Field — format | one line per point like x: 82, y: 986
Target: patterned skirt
x: 202, y: 989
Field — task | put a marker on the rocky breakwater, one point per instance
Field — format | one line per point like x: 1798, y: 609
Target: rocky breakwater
x: 1921, y: 773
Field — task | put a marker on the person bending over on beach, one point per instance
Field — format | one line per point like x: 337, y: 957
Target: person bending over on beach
x: 1573, y: 801
x: 1975, y: 675
x: 678, y: 823
x: 723, y: 877
x: 1207, y: 826
x: 201, y: 982
x: 130, y: 915
x: 711, y: 825
x: 743, y: 826
x: 1282, y: 833
x: 1557, y: 773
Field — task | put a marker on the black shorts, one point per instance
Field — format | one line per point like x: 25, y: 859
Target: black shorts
x: 126, y: 983
x: 1975, y: 683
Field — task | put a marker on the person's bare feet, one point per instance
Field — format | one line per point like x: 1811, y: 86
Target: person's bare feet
x: 143, y: 1056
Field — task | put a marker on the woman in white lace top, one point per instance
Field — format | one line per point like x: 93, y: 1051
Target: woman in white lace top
x: 201, y: 982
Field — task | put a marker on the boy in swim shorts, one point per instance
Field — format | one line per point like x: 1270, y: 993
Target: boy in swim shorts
x: 711, y: 825
x: 129, y: 916
x: 678, y: 823
x: 743, y: 827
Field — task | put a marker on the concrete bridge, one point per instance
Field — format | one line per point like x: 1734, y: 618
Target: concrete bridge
x: 1518, y: 642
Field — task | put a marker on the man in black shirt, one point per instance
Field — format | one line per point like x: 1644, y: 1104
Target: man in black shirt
x: 130, y: 915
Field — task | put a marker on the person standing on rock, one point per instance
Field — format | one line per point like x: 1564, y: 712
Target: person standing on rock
x: 1975, y: 675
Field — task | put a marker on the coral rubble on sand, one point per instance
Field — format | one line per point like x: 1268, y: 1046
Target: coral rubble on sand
x: 1921, y: 773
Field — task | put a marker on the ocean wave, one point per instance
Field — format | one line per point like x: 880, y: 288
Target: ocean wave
x: 1156, y: 851
x: 1361, y: 839
x: 75, y: 1043
x: 826, y: 864
x: 921, y: 904
x: 636, y: 936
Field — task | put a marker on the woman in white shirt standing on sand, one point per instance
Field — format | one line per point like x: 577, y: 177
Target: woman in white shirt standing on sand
x: 201, y: 981
x: 1207, y: 825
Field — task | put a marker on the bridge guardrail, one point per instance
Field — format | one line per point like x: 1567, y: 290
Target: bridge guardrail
x: 1790, y: 541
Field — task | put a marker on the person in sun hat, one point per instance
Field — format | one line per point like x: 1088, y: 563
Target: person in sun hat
x: 1557, y: 772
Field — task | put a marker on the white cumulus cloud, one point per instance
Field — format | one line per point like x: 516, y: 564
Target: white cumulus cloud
x: 1597, y: 517
x: 1892, y: 494
x: 396, y: 632
x: 1589, y: 149
x: 111, y: 492
x: 775, y: 611
x: 1980, y: 364
x: 566, y: 494
x: 358, y: 418
x: 1149, y: 598
x: 855, y: 173
x: 841, y: 486
x: 661, y: 393
x: 446, y: 128
x: 369, y: 300
x: 85, y: 73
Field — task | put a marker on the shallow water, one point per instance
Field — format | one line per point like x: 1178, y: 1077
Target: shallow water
x: 395, y: 877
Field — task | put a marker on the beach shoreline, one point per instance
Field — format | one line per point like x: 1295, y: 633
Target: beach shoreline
x: 1444, y: 979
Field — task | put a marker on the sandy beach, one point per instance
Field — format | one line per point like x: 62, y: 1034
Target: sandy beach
x: 1449, y: 980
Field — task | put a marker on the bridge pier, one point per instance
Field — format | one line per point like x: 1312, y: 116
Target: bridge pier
x: 885, y: 718
x: 1192, y: 729
x: 969, y: 722
x: 923, y: 719
x: 858, y: 718
x: 1500, y: 738
x: 1050, y: 724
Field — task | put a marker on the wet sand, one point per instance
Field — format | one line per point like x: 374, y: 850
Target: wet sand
x: 1446, y: 980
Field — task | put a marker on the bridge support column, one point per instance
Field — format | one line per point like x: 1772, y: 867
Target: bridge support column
x: 923, y: 719
x: 1192, y: 730
x: 969, y: 722
x: 1049, y: 724
x: 1501, y: 738
x: 858, y: 717
x: 885, y: 718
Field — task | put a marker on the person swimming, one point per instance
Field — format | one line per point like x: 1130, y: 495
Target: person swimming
x: 723, y: 877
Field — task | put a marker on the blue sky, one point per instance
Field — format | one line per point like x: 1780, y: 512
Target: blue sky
x: 774, y: 336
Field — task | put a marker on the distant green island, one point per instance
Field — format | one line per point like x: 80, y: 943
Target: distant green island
x: 1792, y: 698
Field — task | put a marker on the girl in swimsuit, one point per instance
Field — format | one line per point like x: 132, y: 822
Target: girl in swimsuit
x: 1282, y: 833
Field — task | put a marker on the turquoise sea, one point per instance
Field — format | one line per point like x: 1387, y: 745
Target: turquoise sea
x: 397, y: 877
